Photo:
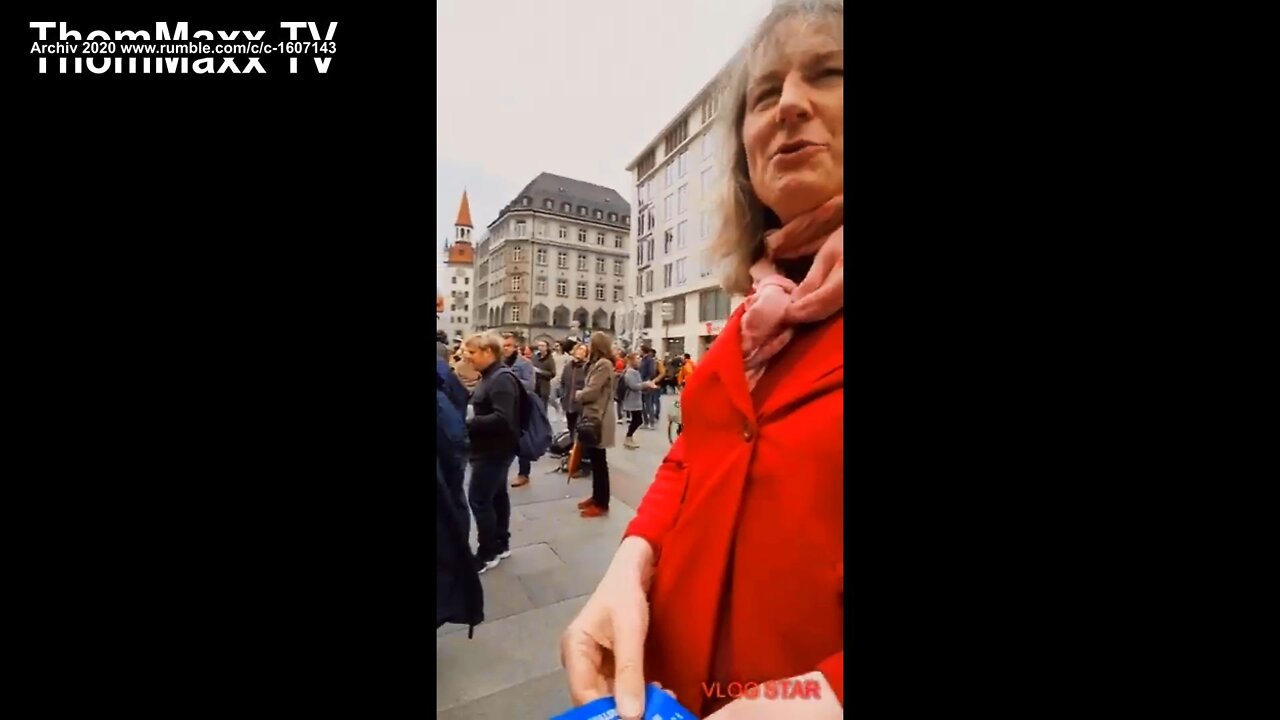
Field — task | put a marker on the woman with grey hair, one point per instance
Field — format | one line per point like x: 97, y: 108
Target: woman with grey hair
x: 732, y: 571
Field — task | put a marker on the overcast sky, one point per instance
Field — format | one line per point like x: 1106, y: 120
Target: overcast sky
x: 571, y: 87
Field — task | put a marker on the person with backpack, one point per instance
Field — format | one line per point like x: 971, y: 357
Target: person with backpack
x: 495, y: 436
x: 596, y: 425
x: 524, y: 370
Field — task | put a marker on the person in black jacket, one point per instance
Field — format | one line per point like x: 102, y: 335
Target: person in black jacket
x: 494, y: 433
x: 459, y: 596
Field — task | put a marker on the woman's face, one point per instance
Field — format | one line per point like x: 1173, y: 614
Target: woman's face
x: 580, y: 352
x: 793, y: 128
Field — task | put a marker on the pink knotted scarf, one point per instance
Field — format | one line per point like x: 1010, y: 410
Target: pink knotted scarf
x: 778, y: 305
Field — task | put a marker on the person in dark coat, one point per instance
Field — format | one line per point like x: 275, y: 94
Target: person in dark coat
x: 523, y: 369
x: 451, y: 433
x: 572, y: 378
x: 544, y: 368
x: 650, y: 400
x: 494, y: 432
x: 459, y: 595
x: 442, y: 347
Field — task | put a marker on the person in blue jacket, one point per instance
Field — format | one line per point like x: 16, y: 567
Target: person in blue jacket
x: 525, y: 374
x: 451, y: 434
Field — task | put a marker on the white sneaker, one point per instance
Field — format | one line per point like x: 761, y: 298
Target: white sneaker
x: 488, y: 565
x: 504, y: 554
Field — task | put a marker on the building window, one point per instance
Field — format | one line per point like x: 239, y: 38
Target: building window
x: 515, y: 283
x: 707, y: 176
x: 562, y: 260
x: 651, y: 223
x: 466, y: 281
x: 648, y: 315
x: 667, y: 207
x: 600, y: 239
x: 599, y: 292
x: 549, y: 204
x: 453, y: 280
x: 709, y: 107
x: 582, y: 235
x: 582, y: 210
x: 617, y: 294
x: 613, y: 217
x: 542, y: 286
x: 600, y: 265
x: 645, y: 166
x: 564, y: 232
x: 582, y: 290
x: 648, y: 281
x: 666, y: 275
x: 562, y: 288
x: 680, y: 278
x: 640, y: 227
x: 582, y: 262
x: 566, y: 207
x: 713, y: 305
x: 540, y: 256
x: 682, y: 198
x: 678, y: 134
x: 680, y: 238
x: 669, y: 173
x: 516, y: 254
x: 677, y: 310
x: 682, y: 166
x: 599, y: 215
x: 626, y: 220
x: 515, y: 313
x: 617, y: 241
x: 524, y: 201
x: 617, y: 267
x: 666, y: 242
x: 639, y: 284
x: 520, y: 228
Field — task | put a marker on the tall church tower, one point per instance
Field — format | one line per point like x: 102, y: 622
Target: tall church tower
x: 459, y: 267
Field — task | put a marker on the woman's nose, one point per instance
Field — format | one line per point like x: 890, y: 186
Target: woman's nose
x: 794, y: 105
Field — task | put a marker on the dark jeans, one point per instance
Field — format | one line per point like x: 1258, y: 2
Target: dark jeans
x: 491, y: 504
x: 652, y: 400
x: 572, y: 420
x: 599, y: 478
x: 637, y: 417
x: 524, y: 467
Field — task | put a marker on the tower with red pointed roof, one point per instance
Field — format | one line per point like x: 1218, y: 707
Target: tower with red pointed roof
x: 459, y: 265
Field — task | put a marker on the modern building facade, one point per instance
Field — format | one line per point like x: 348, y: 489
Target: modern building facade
x: 555, y: 261
x: 676, y: 183
x: 459, y: 277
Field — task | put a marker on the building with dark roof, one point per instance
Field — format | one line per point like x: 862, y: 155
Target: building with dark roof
x: 556, y: 255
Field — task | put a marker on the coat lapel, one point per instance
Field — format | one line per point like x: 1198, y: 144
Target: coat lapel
x: 810, y: 364
x: 729, y: 366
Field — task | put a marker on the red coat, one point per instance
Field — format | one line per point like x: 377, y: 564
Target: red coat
x: 748, y: 509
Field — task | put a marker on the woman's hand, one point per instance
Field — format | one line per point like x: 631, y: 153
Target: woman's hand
x: 602, y: 650
x: 824, y: 707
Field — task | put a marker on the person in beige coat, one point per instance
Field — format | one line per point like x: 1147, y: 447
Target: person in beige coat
x: 596, y: 397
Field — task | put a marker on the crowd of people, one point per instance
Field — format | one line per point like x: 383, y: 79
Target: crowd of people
x: 593, y: 385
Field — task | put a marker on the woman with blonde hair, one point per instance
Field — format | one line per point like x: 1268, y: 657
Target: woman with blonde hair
x: 595, y: 424
x: 732, y: 570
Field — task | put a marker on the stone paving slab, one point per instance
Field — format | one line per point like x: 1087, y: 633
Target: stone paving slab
x: 539, y: 698
x: 502, y: 655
